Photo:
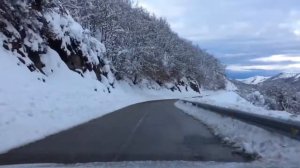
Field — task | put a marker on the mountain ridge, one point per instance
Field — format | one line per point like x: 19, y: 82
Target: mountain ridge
x: 254, y: 80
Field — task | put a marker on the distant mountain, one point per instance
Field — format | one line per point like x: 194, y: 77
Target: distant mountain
x: 287, y: 81
x: 295, y: 76
x: 280, y: 92
x: 254, y: 80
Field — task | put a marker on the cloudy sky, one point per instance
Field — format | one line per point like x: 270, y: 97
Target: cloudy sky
x: 252, y: 37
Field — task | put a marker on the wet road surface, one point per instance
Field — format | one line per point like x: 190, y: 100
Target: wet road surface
x: 147, y: 131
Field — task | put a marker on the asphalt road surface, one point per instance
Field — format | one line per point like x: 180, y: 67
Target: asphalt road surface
x: 147, y: 131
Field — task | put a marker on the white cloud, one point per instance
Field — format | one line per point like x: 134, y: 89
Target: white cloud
x: 292, y: 23
x: 215, y: 19
x: 169, y: 10
x: 235, y: 55
x: 278, y: 58
x: 276, y: 67
x: 266, y: 27
x: 149, y: 8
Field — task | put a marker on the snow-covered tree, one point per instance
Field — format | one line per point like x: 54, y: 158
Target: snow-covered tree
x: 138, y: 44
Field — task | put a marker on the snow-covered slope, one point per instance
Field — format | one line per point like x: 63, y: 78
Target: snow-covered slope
x: 33, y: 105
x: 230, y: 99
x: 286, y: 76
x: 54, y: 76
x: 273, y: 148
x: 254, y: 80
x: 280, y: 92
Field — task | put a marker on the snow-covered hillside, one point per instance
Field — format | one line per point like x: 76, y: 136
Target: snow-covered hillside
x: 231, y: 99
x: 254, y: 80
x: 54, y: 75
x: 296, y: 76
x: 260, y: 79
x: 33, y: 105
x: 281, y: 92
x: 272, y: 147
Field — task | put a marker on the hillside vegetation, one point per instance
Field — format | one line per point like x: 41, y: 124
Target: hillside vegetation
x: 110, y: 40
x: 281, y: 92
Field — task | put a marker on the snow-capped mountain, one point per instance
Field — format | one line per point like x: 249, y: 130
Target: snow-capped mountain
x: 254, y: 80
x: 280, y: 92
x: 286, y: 76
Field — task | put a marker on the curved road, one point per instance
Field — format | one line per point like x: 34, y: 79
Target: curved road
x: 147, y: 131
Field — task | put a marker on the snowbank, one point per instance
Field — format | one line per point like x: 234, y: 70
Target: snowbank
x: 151, y: 164
x: 33, y: 106
x: 274, y: 149
x: 230, y: 99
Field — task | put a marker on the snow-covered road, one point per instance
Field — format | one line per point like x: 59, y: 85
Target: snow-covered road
x: 31, y: 109
x: 154, y: 130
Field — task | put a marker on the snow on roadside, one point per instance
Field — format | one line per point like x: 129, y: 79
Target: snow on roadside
x: 151, y: 164
x: 33, y: 106
x: 230, y: 99
x: 274, y: 148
